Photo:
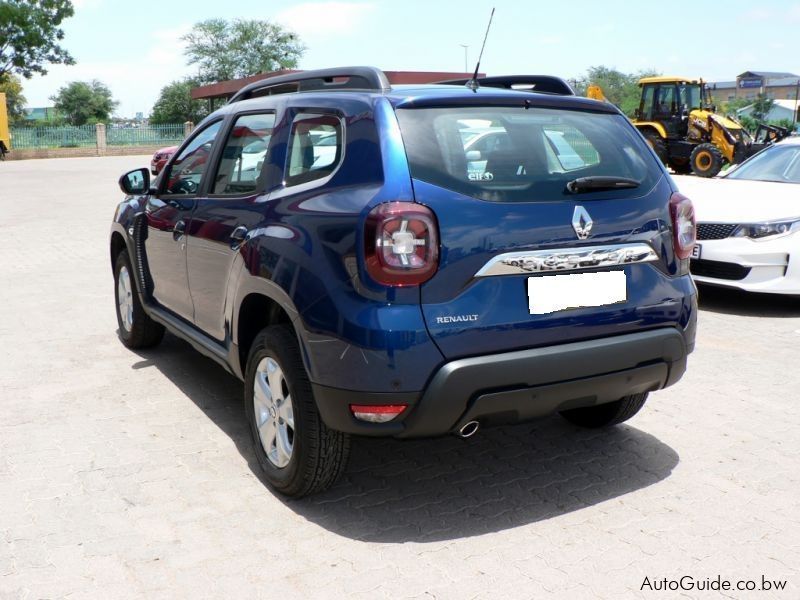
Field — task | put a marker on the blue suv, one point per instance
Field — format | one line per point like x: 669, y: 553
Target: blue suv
x: 411, y: 261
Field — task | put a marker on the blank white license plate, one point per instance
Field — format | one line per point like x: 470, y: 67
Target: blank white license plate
x: 560, y: 292
x: 696, y: 251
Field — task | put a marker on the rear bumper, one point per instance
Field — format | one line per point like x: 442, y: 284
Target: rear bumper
x: 521, y: 385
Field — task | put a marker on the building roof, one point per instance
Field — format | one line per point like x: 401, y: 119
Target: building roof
x: 783, y: 82
x: 722, y: 85
x: 768, y: 74
x: 790, y: 104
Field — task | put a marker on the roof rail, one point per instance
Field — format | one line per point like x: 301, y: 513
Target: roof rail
x: 340, y: 78
x: 542, y: 84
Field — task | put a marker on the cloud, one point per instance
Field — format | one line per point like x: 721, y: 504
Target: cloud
x: 325, y: 19
x: 136, y: 81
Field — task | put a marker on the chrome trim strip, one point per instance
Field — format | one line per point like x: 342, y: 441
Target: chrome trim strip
x: 567, y: 259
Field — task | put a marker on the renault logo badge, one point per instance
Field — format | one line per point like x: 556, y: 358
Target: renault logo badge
x: 582, y: 223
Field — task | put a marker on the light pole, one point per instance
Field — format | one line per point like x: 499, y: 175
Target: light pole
x: 796, y: 101
x: 466, y: 66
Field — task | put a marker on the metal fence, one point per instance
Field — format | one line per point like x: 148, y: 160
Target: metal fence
x: 53, y: 137
x: 151, y: 135
x: 86, y: 136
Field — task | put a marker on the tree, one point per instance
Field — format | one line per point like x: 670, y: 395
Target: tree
x: 761, y: 107
x: 81, y: 102
x: 225, y: 50
x: 175, y: 104
x: 15, y: 101
x: 621, y: 89
x: 732, y: 107
x: 29, y: 35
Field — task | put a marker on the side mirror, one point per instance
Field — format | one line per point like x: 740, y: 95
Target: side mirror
x: 135, y: 183
x: 637, y: 114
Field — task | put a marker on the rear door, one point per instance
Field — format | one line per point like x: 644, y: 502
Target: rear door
x: 229, y: 208
x: 510, y: 230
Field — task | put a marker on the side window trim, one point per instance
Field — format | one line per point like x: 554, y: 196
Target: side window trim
x: 165, y: 173
x: 209, y: 190
x: 341, y: 150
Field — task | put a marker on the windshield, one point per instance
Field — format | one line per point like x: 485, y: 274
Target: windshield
x: 513, y: 154
x: 776, y: 163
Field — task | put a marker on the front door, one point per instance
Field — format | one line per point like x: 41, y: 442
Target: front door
x: 168, y: 217
x: 231, y: 205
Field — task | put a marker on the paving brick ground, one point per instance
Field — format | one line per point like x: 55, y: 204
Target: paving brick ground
x: 126, y: 474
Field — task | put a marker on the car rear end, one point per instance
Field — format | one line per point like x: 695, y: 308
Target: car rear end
x: 160, y: 158
x: 539, y: 299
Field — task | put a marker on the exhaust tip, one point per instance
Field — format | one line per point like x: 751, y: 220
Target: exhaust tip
x: 469, y: 429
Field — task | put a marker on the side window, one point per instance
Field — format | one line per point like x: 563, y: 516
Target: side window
x: 187, y: 169
x: 243, y: 155
x: 647, y: 103
x: 667, y: 104
x: 315, y: 148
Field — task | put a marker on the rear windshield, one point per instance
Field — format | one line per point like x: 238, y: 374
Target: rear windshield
x: 513, y: 154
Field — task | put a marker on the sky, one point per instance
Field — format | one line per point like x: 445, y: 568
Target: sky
x: 135, y: 47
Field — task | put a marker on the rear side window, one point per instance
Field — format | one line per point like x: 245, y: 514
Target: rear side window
x: 513, y: 154
x: 315, y: 148
x: 244, y: 155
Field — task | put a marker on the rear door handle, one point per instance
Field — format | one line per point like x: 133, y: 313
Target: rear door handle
x: 178, y: 230
x: 238, y: 236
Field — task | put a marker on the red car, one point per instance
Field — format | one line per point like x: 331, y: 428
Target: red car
x: 160, y: 158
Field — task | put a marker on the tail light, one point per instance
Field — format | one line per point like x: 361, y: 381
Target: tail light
x: 401, y: 244
x: 683, y: 225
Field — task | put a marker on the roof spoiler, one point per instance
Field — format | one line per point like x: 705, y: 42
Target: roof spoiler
x: 542, y: 84
x: 341, y: 78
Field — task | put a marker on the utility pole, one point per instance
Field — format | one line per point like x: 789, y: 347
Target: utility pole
x: 466, y: 63
x: 796, y: 101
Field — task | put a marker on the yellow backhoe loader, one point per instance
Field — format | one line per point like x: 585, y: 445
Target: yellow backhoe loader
x: 5, y: 138
x: 678, y: 120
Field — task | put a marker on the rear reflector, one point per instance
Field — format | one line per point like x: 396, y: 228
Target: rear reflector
x: 380, y: 413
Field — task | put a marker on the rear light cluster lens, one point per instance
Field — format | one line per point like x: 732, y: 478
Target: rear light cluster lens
x: 381, y: 413
x: 684, y: 228
x: 401, y: 244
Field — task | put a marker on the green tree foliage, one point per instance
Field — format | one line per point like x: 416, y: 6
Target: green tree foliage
x: 81, y: 102
x: 786, y: 123
x: 30, y: 35
x: 748, y: 122
x: 15, y: 101
x: 619, y: 88
x: 175, y: 104
x: 731, y: 107
x: 761, y: 107
x: 225, y: 50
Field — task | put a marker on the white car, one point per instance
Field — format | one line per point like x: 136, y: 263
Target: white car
x: 748, y: 222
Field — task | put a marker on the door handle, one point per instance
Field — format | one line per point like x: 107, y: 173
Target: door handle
x: 178, y: 230
x: 238, y: 236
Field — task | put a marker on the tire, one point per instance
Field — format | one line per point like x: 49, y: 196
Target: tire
x: 298, y: 454
x: 657, y: 143
x: 606, y: 415
x: 136, y: 329
x: 682, y: 168
x: 706, y: 160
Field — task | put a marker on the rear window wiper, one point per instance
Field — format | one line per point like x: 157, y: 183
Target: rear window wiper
x: 600, y: 182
